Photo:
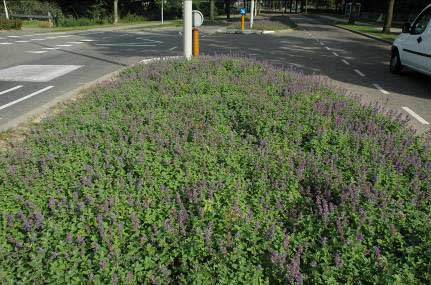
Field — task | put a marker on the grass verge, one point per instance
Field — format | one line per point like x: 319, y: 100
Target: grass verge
x: 370, y: 30
x: 220, y: 170
x: 261, y: 23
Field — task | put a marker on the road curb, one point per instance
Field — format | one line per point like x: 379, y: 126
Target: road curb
x: 364, y: 34
x: 251, y: 32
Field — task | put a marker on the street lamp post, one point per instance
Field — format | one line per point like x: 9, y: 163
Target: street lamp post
x: 5, y: 9
x: 187, y: 28
x: 162, y: 10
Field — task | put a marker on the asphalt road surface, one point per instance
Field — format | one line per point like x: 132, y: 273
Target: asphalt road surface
x: 62, y: 62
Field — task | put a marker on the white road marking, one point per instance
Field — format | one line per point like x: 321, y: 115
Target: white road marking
x: 25, y: 97
x: 345, y: 62
x: 381, y: 89
x: 9, y: 90
x: 63, y: 45
x: 87, y: 40
x: 13, y: 36
x: 126, y: 45
x: 49, y: 48
x: 22, y: 41
x: 172, y: 48
x: 359, y: 73
x: 75, y: 43
x: 64, y: 36
x: 37, y: 51
x: 328, y: 48
x: 334, y: 53
x: 123, y: 35
x: 322, y: 44
x: 416, y: 116
x: 6, y: 44
x: 38, y: 40
x: 36, y: 73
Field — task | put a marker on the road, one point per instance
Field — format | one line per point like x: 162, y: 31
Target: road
x: 353, y: 62
x: 37, y: 68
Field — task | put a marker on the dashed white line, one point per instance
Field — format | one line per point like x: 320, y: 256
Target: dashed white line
x: 38, y: 40
x: 416, y: 116
x: 322, y: 43
x: 10, y: 90
x: 345, y: 62
x: 63, y: 45
x: 25, y: 97
x: 172, y: 48
x: 87, y: 40
x: 49, y: 48
x: 13, y: 36
x: 37, y: 51
x: 334, y: 53
x: 381, y: 89
x: 328, y: 48
x: 359, y: 73
x: 75, y: 43
x: 6, y: 43
x: 22, y: 41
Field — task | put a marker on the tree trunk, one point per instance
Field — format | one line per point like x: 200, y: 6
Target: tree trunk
x: 212, y: 6
x: 227, y: 3
x: 389, y: 16
x: 115, y: 12
x: 291, y: 5
x: 352, y: 17
x: 296, y: 6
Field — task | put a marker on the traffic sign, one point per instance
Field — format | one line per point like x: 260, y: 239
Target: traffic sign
x: 243, y: 11
x: 197, y: 18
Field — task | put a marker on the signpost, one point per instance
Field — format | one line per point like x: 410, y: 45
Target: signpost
x: 187, y: 28
x: 252, y: 8
x: 242, y: 11
x: 197, y: 21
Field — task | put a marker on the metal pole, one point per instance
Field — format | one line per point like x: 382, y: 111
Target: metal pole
x: 251, y: 14
x: 162, y: 10
x: 5, y: 9
x: 187, y: 28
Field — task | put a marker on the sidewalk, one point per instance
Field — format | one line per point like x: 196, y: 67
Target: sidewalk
x: 377, y: 26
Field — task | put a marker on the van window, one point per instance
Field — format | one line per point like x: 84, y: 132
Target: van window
x: 421, y: 23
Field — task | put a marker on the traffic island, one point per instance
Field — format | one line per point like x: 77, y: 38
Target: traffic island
x: 216, y: 170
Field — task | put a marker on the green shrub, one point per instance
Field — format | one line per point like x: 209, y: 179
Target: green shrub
x: 10, y: 24
x: 216, y: 171
x: 132, y: 18
x: 72, y: 22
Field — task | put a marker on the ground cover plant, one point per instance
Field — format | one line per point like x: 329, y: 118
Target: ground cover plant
x: 218, y: 170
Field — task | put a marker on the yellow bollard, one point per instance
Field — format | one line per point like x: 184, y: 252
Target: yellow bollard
x: 195, y: 37
x: 242, y: 23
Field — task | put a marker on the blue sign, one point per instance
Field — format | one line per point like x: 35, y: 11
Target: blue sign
x: 242, y: 11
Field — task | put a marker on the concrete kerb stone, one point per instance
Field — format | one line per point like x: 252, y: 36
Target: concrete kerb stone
x: 250, y: 32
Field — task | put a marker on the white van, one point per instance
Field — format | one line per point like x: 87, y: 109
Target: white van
x: 413, y: 47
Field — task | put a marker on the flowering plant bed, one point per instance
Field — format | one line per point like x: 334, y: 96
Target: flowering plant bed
x: 218, y: 170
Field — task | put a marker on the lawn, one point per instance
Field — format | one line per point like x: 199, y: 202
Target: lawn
x: 218, y: 170
x: 371, y: 30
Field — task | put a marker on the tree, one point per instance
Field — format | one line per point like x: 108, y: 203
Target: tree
x: 352, y: 17
x: 115, y: 12
x: 212, y: 8
x: 227, y: 3
x: 389, y: 16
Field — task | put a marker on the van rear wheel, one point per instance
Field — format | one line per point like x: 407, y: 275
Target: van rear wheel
x: 395, y: 65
